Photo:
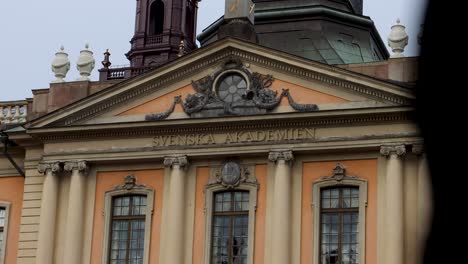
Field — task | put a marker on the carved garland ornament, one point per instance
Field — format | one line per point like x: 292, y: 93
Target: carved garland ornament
x: 216, y: 95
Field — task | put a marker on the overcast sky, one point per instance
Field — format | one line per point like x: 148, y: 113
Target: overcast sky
x: 32, y: 31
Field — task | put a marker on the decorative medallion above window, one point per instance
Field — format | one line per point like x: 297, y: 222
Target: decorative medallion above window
x: 232, y: 91
x: 231, y: 174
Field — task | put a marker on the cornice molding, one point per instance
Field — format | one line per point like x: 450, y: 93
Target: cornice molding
x: 221, y: 55
x: 223, y: 126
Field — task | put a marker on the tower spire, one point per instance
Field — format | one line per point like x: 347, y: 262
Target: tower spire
x: 159, y: 28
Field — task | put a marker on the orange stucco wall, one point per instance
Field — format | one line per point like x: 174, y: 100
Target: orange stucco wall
x: 304, y: 95
x: 300, y: 95
x: 203, y: 174
x: 11, y: 191
x: 161, y: 104
x: 366, y: 169
x: 260, y: 215
x: 106, y: 181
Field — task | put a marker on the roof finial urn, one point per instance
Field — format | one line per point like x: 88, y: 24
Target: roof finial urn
x: 181, y: 48
x: 60, y: 65
x: 85, y: 63
x: 398, y: 40
x: 106, y: 62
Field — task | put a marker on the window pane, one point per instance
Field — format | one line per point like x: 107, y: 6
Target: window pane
x: 230, y: 228
x: 339, y: 225
x: 128, y: 229
x: 2, y: 217
x: 1, y: 241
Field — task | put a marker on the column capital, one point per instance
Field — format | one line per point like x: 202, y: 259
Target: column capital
x: 180, y: 160
x: 79, y: 165
x: 418, y: 149
x: 276, y: 155
x: 52, y: 166
x: 388, y: 150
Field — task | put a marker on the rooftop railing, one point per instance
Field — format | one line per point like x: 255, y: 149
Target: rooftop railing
x: 13, y: 112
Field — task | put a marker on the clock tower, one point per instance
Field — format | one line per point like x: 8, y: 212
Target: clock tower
x: 160, y: 27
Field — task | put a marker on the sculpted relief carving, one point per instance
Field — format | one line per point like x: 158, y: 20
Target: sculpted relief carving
x: 233, y: 90
x: 231, y: 174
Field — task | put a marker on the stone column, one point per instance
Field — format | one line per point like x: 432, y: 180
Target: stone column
x: 394, y: 203
x: 281, y: 228
x: 50, y: 189
x: 424, y: 198
x: 75, y: 214
x: 175, y: 220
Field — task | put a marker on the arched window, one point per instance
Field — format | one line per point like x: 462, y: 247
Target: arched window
x: 156, y: 18
x: 189, y: 22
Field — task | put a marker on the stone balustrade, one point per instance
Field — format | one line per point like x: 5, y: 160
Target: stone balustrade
x: 13, y: 112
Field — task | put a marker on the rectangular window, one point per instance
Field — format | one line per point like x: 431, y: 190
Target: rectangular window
x: 127, y: 229
x: 230, y: 228
x: 339, y: 225
x: 2, y: 227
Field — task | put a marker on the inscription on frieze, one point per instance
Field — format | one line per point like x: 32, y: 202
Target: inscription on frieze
x: 273, y: 135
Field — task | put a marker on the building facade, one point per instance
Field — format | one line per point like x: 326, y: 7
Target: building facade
x: 242, y: 150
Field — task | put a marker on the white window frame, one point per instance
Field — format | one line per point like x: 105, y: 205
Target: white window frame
x: 249, y: 185
x: 339, y: 180
x: 7, y: 206
x: 122, y: 191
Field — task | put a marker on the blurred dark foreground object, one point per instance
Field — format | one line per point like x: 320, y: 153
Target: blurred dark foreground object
x: 441, y: 112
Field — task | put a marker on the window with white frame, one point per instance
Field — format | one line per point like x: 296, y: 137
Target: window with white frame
x: 339, y: 203
x: 230, y: 201
x: 4, y: 210
x: 128, y: 215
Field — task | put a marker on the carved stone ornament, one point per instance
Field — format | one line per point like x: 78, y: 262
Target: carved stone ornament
x: 398, y: 150
x: 231, y: 174
x: 129, y: 184
x: 339, y: 174
x: 285, y: 155
x: 182, y: 161
x: 54, y: 167
x: 81, y: 166
x: 217, y: 95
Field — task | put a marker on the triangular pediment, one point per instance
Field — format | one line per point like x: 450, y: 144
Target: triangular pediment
x: 282, y: 83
